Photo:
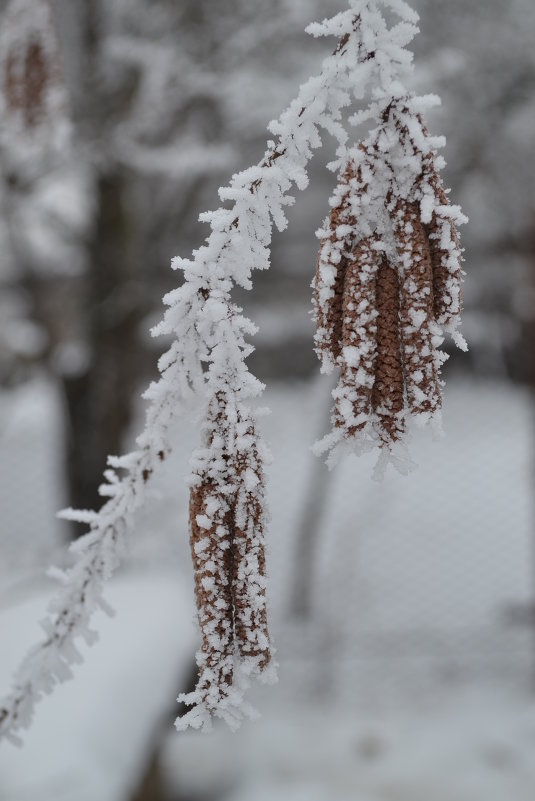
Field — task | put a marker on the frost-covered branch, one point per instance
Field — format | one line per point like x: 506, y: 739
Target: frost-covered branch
x: 387, y: 283
x: 208, y: 328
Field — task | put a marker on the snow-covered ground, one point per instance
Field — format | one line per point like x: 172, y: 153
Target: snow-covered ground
x: 471, y: 746
x: 90, y: 740
x: 407, y: 682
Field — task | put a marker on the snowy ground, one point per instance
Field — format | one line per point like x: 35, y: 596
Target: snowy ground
x: 472, y: 746
x: 407, y: 682
x: 90, y: 740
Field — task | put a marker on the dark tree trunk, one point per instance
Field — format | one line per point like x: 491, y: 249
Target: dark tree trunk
x: 99, y: 396
x: 151, y: 786
x: 99, y: 401
x: 310, y: 525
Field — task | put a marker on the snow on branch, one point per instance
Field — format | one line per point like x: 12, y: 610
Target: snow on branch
x: 205, y: 367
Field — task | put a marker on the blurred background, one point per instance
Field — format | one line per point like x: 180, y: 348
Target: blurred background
x: 403, y: 612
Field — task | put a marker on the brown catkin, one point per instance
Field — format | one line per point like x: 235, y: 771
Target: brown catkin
x: 211, y: 551
x: 14, y: 85
x: 26, y: 79
x: 446, y: 264
x: 248, y: 582
x: 416, y: 309
x: 329, y: 314
x: 328, y: 309
x: 353, y: 395
x: 249, y: 562
x: 227, y: 545
x: 387, y: 393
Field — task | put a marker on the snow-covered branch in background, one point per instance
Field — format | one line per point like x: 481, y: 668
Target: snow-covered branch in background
x: 205, y: 370
x: 33, y: 99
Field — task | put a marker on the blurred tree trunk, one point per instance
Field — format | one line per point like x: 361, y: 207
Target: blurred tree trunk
x: 99, y: 397
x: 151, y: 787
x: 309, y: 529
x: 99, y: 400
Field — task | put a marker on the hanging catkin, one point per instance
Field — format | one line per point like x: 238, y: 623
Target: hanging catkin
x: 227, y: 547
x: 33, y: 98
x: 387, y: 394
x: 211, y: 551
x: 358, y: 349
x: 249, y: 562
x: 331, y: 268
x: 388, y: 279
x: 416, y: 309
x: 445, y: 252
x: 28, y: 73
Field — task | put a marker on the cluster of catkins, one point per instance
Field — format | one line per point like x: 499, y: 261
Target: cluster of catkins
x: 388, y: 282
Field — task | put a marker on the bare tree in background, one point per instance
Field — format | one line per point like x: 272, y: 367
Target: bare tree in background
x: 150, y: 96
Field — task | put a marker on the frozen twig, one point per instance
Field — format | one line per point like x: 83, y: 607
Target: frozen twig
x: 206, y: 328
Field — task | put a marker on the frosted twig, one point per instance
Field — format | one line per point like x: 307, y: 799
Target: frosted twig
x: 206, y: 328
